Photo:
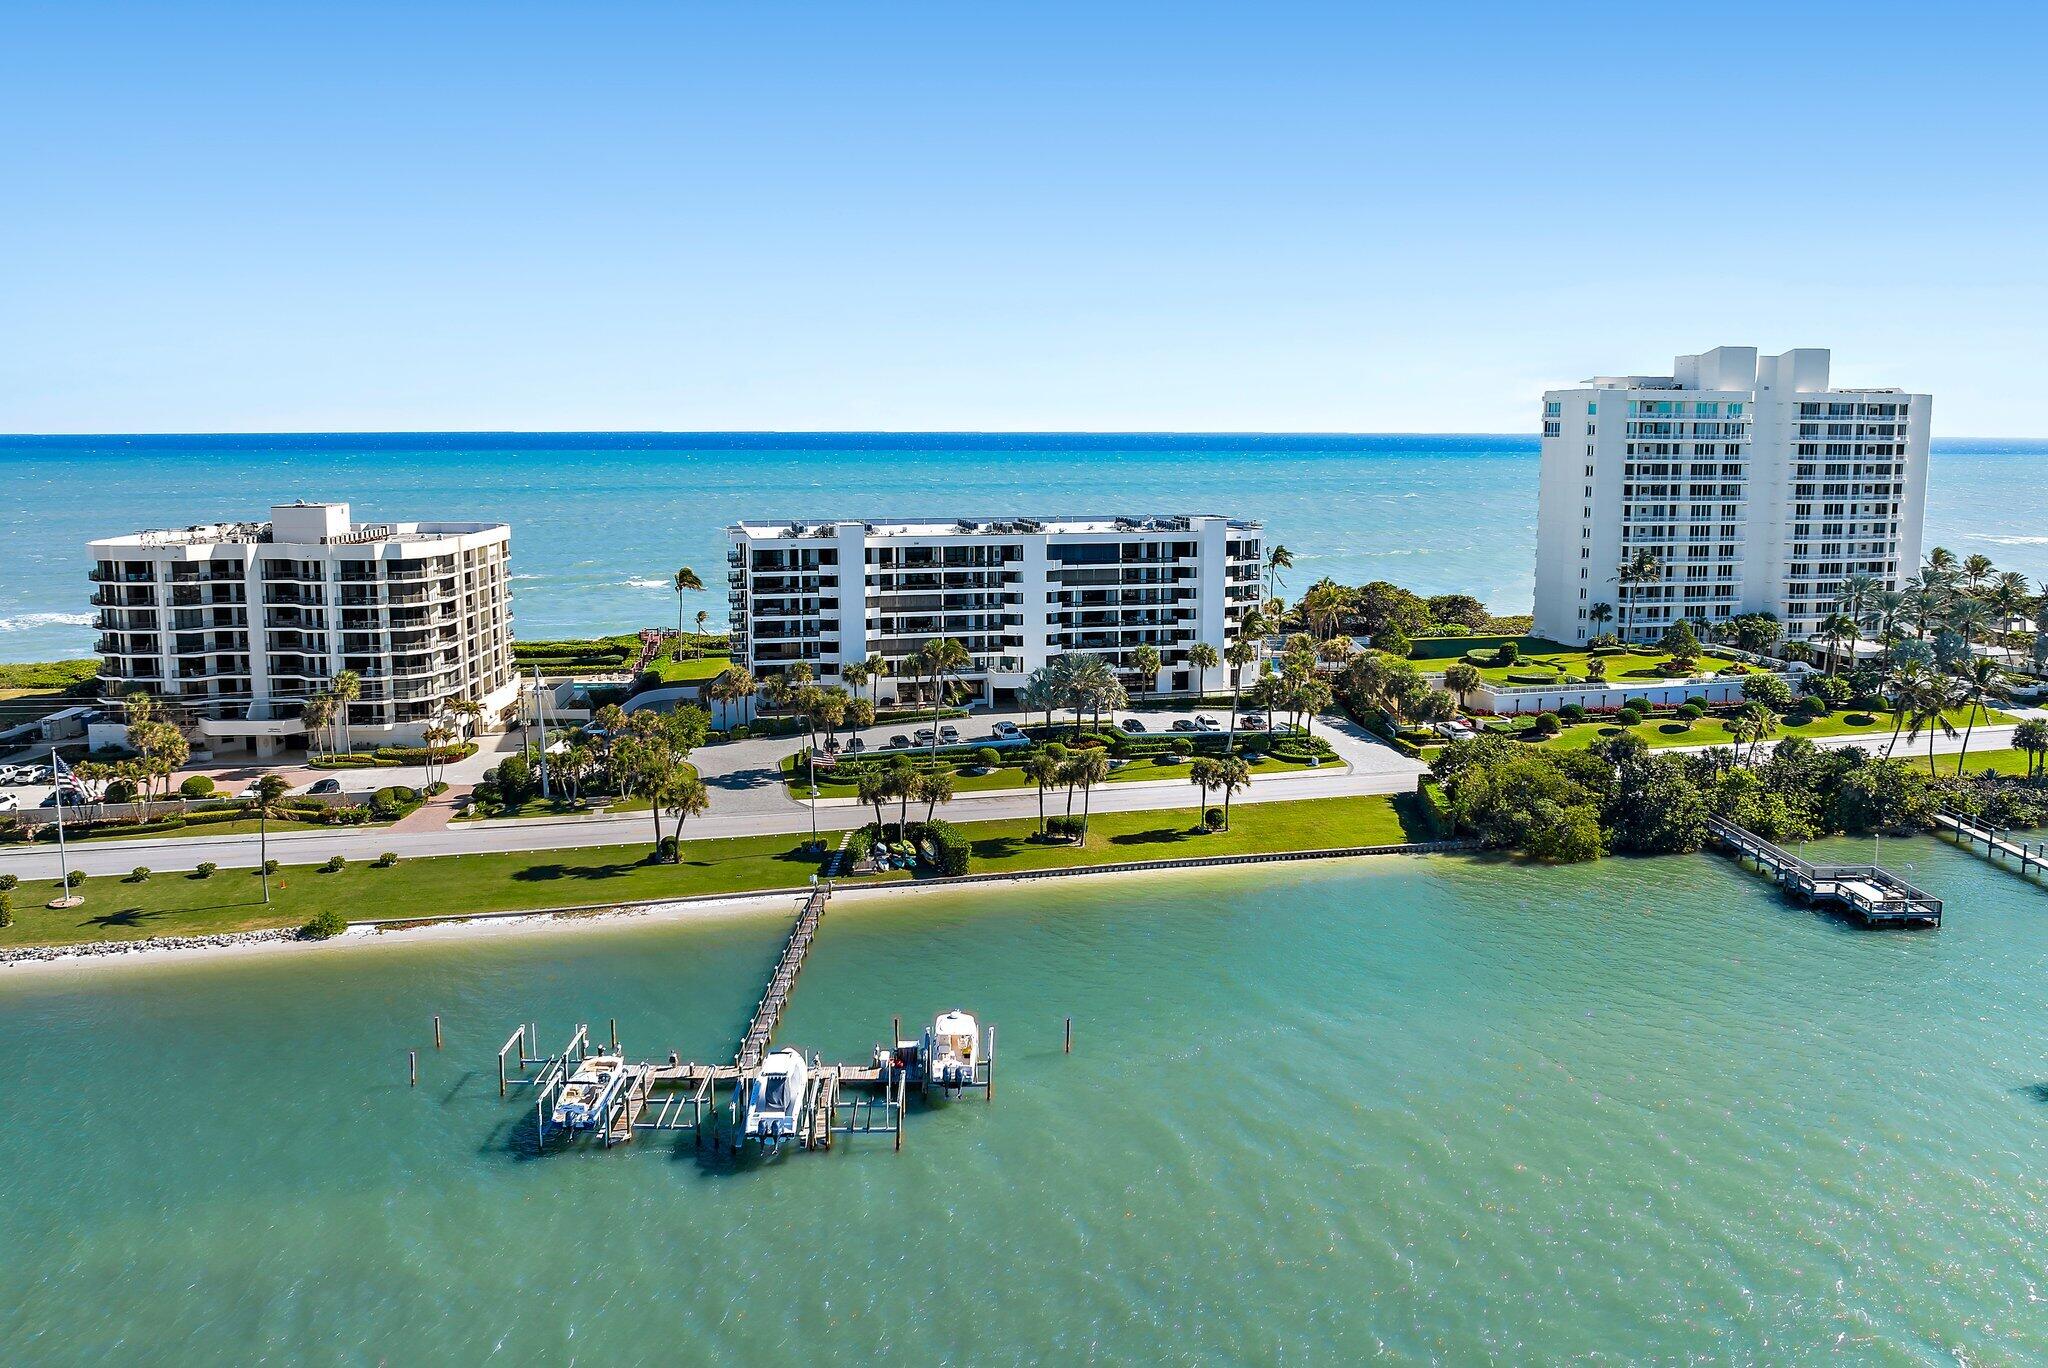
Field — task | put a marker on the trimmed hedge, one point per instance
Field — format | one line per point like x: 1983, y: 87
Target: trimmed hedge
x: 948, y: 846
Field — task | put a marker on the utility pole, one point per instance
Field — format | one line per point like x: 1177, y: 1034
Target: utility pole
x: 263, y: 845
x: 66, y: 898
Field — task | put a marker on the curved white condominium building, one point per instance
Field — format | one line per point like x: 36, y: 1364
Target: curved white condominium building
x: 1751, y: 485
x: 239, y: 623
x: 1014, y: 592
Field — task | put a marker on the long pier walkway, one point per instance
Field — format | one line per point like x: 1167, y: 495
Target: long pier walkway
x: 1874, y: 894
x: 2019, y: 857
x: 768, y: 1012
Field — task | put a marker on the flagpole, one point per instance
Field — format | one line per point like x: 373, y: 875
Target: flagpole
x: 64, y: 899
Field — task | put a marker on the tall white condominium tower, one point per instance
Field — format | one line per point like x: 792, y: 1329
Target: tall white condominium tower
x: 1737, y: 484
x: 237, y: 624
x: 1014, y: 593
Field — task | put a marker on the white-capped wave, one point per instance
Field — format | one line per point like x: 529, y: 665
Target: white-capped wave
x: 642, y: 582
x: 1997, y: 540
x: 24, y: 622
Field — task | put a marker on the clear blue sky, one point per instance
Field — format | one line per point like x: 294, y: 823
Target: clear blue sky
x: 984, y: 216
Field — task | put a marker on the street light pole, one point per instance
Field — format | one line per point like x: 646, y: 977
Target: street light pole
x: 814, y: 797
x: 263, y: 845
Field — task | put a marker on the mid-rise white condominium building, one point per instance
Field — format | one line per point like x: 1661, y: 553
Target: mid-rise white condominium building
x: 237, y: 624
x: 1014, y: 592
x: 1736, y: 484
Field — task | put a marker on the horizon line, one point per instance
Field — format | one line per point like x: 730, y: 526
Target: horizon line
x: 822, y: 432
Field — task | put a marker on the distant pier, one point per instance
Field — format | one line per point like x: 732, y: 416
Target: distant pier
x: 1869, y: 892
x: 2017, y: 856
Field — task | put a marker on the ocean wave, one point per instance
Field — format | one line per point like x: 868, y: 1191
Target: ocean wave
x: 1997, y: 540
x: 25, y: 622
x: 642, y: 582
x: 526, y: 577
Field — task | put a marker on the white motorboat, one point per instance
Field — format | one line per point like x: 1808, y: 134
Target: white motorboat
x: 951, y: 1049
x: 582, y: 1102
x: 775, y: 1096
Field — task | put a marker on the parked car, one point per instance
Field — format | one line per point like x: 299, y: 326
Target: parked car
x: 1253, y: 721
x: 1208, y: 724
x: 1007, y: 731
x: 8, y: 802
x: 1182, y: 724
x: 923, y: 736
x: 899, y: 741
x: 855, y: 744
x: 13, y: 774
x: 950, y: 735
x: 325, y: 786
x: 1132, y: 725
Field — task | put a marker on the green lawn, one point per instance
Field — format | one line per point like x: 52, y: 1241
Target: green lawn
x: 2012, y: 762
x: 555, y: 807
x: 693, y: 671
x: 1665, y: 731
x: 182, y: 904
x: 1632, y: 667
x: 1010, y: 777
x: 36, y: 689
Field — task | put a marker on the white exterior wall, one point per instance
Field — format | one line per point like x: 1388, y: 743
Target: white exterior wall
x: 420, y: 611
x: 1022, y: 603
x: 1785, y: 505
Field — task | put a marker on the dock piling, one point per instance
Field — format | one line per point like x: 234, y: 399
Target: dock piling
x: 412, y: 1068
x: 1070, y: 1035
x: 437, y: 1030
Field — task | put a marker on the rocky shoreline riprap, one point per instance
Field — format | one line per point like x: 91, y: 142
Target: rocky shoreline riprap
x: 35, y: 954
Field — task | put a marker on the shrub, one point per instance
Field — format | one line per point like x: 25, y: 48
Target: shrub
x: 6, y: 908
x: 196, y: 786
x: 1508, y: 653
x: 139, y: 874
x: 388, y: 804
x: 1483, y: 655
x: 1547, y: 725
x: 1860, y: 719
x: 667, y: 850
x: 1212, y: 819
x: 270, y: 866
x: 1062, y: 828
x: 333, y: 865
x: 988, y: 757
x: 1182, y: 746
x: 206, y: 870
x: 74, y: 878
x: 1572, y: 712
x: 739, y: 733
x: 1167, y: 758
x: 1691, y: 712
x: 325, y: 923
x: 1531, y: 677
x: 9, y: 882
x: 950, y: 849
x: 385, y: 861
x: 862, y: 843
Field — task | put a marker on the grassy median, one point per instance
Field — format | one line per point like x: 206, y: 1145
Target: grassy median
x: 182, y: 904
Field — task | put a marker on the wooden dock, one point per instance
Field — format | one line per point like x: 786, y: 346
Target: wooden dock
x: 1873, y: 894
x: 2017, y: 856
x: 768, y: 1012
x: 839, y: 1099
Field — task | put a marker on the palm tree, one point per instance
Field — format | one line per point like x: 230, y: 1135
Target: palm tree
x: 934, y: 789
x: 1043, y: 769
x: 1941, y: 558
x: 1751, y: 724
x: 731, y: 687
x: 348, y: 687
x: 686, y: 583
x: 1838, y: 628
x: 1323, y: 608
x: 1977, y: 572
x: 902, y: 777
x: 317, y: 715
x: 1204, y: 658
x: 1927, y: 706
x: 1463, y: 677
x: 1042, y: 693
x: 1241, y: 655
x: 1085, y: 769
x: 877, y: 669
x: 1202, y: 773
x: 1600, y: 614
x: 2031, y: 738
x: 854, y: 676
x: 1981, y: 680
x: 872, y: 790
x: 1642, y: 567
x: 1277, y: 559
x: 941, y: 659
x: 1232, y: 774
x: 468, y: 713
x: 685, y: 797
x: 1145, y: 660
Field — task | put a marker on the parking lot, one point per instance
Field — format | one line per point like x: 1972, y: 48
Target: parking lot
x: 1005, y: 728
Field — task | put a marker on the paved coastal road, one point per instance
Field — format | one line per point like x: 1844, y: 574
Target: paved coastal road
x: 747, y: 801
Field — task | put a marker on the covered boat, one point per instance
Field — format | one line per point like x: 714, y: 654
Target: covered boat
x: 581, y: 1103
x: 951, y: 1050
x: 775, y: 1096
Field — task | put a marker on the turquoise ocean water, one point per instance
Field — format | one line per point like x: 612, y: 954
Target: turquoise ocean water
x: 602, y: 521
x: 1414, y: 1110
